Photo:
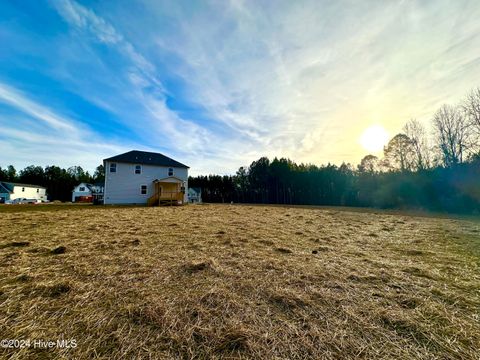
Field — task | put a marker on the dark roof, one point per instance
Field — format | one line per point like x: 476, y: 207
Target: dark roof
x: 91, y: 186
x: 5, y: 189
x: 146, y: 158
x: 10, y: 185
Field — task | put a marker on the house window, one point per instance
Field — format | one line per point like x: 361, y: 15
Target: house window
x: 38, y: 190
x: 138, y: 169
x: 143, y: 189
x: 113, y: 167
x: 23, y: 189
x: 170, y: 171
x: 82, y: 188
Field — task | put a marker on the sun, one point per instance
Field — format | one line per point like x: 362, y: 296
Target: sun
x: 374, y: 138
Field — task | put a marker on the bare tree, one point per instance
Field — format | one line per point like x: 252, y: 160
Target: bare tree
x: 417, y: 134
x: 399, y: 154
x: 369, y: 164
x: 471, y: 107
x: 452, y: 134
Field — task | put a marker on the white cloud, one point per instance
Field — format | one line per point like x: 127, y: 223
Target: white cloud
x: 36, y: 134
x: 305, y: 79
x: 16, y: 99
x: 84, y: 18
x: 145, y: 88
x: 296, y: 79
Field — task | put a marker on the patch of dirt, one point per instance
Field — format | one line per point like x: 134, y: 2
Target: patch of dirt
x: 59, y: 250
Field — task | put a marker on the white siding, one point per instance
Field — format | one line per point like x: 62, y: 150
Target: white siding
x: 28, y: 193
x: 76, y: 191
x: 123, y: 186
x: 194, y: 196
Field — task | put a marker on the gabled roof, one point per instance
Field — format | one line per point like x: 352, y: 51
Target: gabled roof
x: 87, y: 185
x: 176, y: 179
x: 10, y: 185
x: 146, y: 158
x: 91, y: 187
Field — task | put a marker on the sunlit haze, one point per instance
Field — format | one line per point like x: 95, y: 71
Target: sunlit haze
x: 374, y: 138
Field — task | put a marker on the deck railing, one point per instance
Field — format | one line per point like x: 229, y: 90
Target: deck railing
x: 166, y: 197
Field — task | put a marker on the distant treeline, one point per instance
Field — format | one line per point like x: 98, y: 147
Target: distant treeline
x: 439, y: 172
x: 454, y: 189
x: 59, y: 182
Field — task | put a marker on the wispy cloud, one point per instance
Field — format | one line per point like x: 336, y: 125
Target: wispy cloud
x: 39, y: 135
x: 314, y: 75
x: 16, y: 99
x: 297, y: 79
x: 84, y: 19
x: 144, y: 85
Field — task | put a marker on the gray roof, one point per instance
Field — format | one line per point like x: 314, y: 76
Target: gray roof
x: 10, y: 185
x: 4, y: 189
x: 91, y: 186
x: 87, y: 185
x: 145, y: 158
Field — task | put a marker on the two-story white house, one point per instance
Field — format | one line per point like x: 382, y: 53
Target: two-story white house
x: 140, y: 177
x: 12, y: 191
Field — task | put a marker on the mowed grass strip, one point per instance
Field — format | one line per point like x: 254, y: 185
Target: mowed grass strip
x: 214, y: 282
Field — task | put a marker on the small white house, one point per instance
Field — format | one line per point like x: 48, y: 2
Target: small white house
x: 194, y: 195
x: 12, y: 191
x: 140, y: 177
x: 80, y: 191
x: 85, y: 192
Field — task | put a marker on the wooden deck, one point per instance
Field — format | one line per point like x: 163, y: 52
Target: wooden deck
x: 168, y: 192
x: 166, y: 198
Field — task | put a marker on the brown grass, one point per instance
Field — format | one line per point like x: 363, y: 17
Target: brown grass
x: 214, y: 282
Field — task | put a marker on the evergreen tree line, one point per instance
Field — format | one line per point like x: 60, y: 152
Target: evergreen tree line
x: 440, y: 172
x: 59, y: 182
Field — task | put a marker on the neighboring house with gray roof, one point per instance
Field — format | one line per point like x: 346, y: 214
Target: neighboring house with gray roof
x: 141, y: 177
x: 194, y: 195
x: 85, y: 192
x: 12, y: 191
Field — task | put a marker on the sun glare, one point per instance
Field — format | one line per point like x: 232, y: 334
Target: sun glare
x: 374, y: 138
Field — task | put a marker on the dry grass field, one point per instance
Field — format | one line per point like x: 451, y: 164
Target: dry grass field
x: 215, y: 282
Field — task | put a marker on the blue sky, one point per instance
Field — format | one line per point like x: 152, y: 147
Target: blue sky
x: 217, y: 84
